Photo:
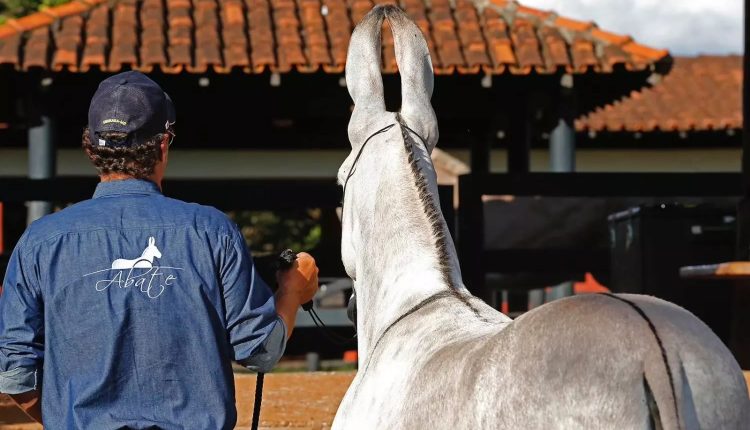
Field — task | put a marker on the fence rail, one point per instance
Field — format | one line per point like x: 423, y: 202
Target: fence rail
x: 476, y: 261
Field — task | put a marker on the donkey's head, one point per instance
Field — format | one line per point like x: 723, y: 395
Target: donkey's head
x: 365, y: 84
x: 152, y: 250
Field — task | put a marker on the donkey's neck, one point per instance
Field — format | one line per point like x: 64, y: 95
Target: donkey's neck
x: 406, y: 253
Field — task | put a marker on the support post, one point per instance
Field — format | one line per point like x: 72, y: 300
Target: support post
x: 743, y: 208
x: 42, y: 160
x: 519, y: 144
x: 562, y: 142
x: 471, y: 236
x: 480, y: 155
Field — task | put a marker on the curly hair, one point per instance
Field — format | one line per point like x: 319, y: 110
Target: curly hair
x: 137, y: 160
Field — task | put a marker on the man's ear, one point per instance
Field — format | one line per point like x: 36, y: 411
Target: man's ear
x: 164, y: 146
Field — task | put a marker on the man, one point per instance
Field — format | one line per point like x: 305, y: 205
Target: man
x: 125, y: 311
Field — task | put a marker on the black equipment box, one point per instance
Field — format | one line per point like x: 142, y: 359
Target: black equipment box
x: 650, y: 243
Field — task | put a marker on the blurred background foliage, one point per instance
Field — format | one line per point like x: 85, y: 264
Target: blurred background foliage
x: 268, y: 233
x: 18, y: 8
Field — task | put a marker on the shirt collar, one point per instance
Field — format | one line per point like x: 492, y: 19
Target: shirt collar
x: 126, y: 186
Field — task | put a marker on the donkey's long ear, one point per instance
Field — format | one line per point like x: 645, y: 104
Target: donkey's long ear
x: 363, y: 61
x: 151, y: 241
x: 415, y: 67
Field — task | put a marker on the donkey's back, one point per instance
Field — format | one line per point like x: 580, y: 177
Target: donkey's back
x: 586, y: 362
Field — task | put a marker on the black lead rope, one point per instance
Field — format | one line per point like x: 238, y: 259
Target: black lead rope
x: 258, y: 399
x: 286, y: 261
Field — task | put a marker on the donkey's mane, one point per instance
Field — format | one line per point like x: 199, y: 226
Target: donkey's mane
x: 434, y: 215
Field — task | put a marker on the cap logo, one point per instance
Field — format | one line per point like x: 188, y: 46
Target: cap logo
x: 119, y: 121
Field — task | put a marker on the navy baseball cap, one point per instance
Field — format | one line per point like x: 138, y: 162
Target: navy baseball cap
x: 129, y: 103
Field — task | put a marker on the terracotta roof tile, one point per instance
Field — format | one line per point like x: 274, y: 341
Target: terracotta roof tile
x: 316, y: 40
x: 68, y: 43
x: 124, y: 36
x: 196, y: 36
x: 180, y: 36
x: 470, y: 35
x: 260, y: 32
x: 526, y: 45
x: 498, y: 41
x: 699, y: 94
x: 234, y: 37
x: 207, y: 39
x: 554, y: 48
x: 288, y: 39
x: 9, y: 49
x: 153, y: 41
x: 36, y: 51
x: 443, y: 28
x: 97, y: 40
x: 339, y: 28
x: 584, y: 57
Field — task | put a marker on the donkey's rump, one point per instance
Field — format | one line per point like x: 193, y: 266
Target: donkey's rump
x: 599, y: 359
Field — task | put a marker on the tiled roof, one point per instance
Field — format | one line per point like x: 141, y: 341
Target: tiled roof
x: 468, y: 36
x: 699, y: 94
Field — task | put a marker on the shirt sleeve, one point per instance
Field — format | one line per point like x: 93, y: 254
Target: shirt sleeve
x: 21, y: 327
x: 256, y: 332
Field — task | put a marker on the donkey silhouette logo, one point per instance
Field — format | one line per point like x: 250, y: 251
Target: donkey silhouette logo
x: 145, y: 261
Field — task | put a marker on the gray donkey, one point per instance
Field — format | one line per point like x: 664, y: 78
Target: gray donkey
x: 432, y: 356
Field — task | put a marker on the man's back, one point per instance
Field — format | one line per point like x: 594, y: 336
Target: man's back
x: 140, y: 303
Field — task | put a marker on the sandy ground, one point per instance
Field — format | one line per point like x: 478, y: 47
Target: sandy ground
x: 290, y: 401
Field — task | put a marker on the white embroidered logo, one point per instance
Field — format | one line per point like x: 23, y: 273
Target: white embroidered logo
x: 145, y: 261
x: 140, y: 272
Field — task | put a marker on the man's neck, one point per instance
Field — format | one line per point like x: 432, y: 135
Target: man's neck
x: 110, y: 177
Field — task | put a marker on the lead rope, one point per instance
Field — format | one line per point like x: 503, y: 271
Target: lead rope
x: 286, y: 261
x: 258, y: 399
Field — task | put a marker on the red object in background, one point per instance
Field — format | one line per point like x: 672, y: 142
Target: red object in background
x: 589, y: 285
x: 350, y: 357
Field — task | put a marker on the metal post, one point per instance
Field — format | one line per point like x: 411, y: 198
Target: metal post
x: 562, y: 142
x: 42, y: 161
x: 562, y: 147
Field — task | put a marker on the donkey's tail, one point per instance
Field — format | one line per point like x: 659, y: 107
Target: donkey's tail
x: 669, y: 400
x: 663, y: 381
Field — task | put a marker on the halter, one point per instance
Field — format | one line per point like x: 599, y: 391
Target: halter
x: 362, y: 148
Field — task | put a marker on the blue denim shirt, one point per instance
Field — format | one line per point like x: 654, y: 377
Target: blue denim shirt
x: 128, y: 308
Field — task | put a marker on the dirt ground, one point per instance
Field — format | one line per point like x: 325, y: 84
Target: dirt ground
x: 290, y: 401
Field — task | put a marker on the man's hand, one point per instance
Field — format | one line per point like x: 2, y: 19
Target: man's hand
x: 300, y: 280
x: 297, y: 285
